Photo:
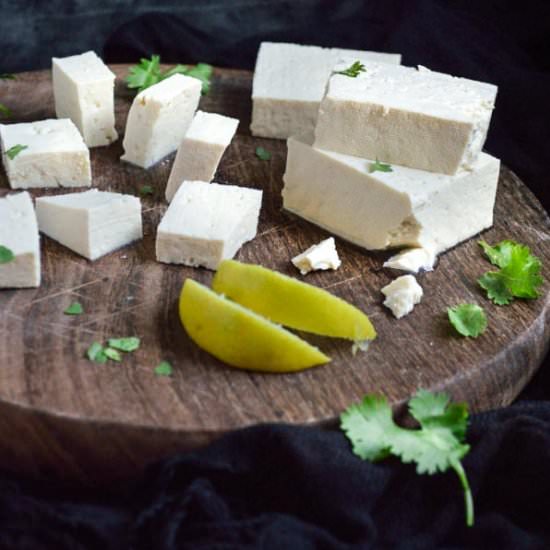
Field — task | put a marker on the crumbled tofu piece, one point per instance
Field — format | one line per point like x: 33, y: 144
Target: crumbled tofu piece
x: 413, y: 260
x: 320, y: 256
x: 402, y: 295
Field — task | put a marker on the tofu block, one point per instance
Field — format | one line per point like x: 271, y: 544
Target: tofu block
x: 289, y: 83
x: 55, y: 154
x: 407, y: 116
x: 207, y: 223
x: 402, y: 294
x: 19, y: 234
x: 201, y: 150
x: 321, y: 256
x: 92, y: 223
x: 379, y: 210
x: 159, y: 119
x: 83, y: 89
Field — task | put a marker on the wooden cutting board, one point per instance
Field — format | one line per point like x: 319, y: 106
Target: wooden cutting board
x: 62, y: 415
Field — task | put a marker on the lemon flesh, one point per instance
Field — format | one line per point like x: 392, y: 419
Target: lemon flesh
x: 291, y: 302
x: 240, y: 337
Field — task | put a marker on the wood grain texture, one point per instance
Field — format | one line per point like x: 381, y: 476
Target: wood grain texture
x: 61, y: 415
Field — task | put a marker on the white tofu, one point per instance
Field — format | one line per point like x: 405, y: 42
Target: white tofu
x: 207, y: 223
x: 289, y: 83
x: 19, y: 234
x: 413, y: 260
x: 159, y: 118
x: 401, y: 115
x: 55, y: 155
x: 92, y: 223
x: 83, y: 88
x: 402, y: 294
x: 380, y: 210
x: 201, y: 150
x: 321, y: 256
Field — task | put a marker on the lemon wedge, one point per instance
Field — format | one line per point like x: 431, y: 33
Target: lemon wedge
x: 291, y: 302
x: 240, y: 337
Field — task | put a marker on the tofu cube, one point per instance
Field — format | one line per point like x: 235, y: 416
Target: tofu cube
x: 19, y: 234
x: 402, y: 294
x: 159, y: 119
x: 402, y: 115
x: 92, y: 223
x: 289, y: 83
x: 379, y: 210
x: 83, y: 88
x: 52, y: 154
x: 207, y: 223
x: 200, y: 151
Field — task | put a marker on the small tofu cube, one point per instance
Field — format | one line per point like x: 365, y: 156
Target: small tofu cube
x: 92, y: 223
x: 402, y: 294
x: 159, y: 119
x: 321, y: 256
x: 201, y: 150
x: 401, y: 115
x: 19, y: 234
x: 207, y: 223
x: 289, y: 82
x: 83, y: 88
x: 51, y: 153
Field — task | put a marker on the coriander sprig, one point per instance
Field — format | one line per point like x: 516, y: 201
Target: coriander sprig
x: 378, y: 166
x: 12, y: 152
x: 6, y: 255
x: 353, y: 70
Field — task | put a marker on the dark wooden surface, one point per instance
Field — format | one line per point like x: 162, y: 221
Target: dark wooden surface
x: 61, y: 415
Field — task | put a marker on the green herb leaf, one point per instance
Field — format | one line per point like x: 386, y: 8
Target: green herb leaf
x: 96, y: 353
x: 7, y: 76
x: 74, y: 309
x: 4, y: 110
x: 263, y: 154
x: 113, y: 354
x: 436, y: 447
x: 378, y: 166
x: 519, y: 275
x: 12, y: 152
x: 353, y: 70
x: 468, y: 319
x: 146, y: 190
x: 164, y: 368
x: 125, y: 344
x: 6, y: 255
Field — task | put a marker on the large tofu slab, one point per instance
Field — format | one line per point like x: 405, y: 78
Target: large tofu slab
x: 201, y: 150
x: 83, y: 88
x: 92, y: 223
x: 207, y: 223
x: 19, y: 234
x: 289, y: 83
x: 55, y: 154
x: 159, y: 118
x: 378, y: 210
x: 407, y: 116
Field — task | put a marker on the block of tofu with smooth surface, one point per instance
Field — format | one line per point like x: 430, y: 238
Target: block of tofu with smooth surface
x: 207, y: 223
x: 321, y: 256
x: 55, y: 154
x: 378, y: 210
x: 83, y: 88
x: 19, y: 234
x: 201, y: 150
x: 403, y: 115
x: 159, y: 118
x: 289, y: 83
x: 402, y: 294
x: 92, y: 223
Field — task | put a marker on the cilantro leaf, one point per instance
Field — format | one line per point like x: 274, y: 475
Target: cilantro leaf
x: 435, y: 447
x: 74, y: 309
x: 96, y: 353
x: 499, y: 254
x: 125, y: 344
x: 113, y: 354
x: 263, y: 154
x: 468, y: 319
x: 7, y: 76
x: 146, y: 190
x: 201, y: 71
x: 6, y: 255
x: 353, y: 70
x: 378, y: 166
x: 12, y: 152
x: 164, y: 368
x: 5, y: 110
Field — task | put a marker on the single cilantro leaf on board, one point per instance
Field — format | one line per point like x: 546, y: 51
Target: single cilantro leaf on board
x: 96, y: 353
x: 6, y: 255
x: 128, y: 344
x: 164, y: 368
x: 263, y: 154
x: 113, y: 354
x: 468, y: 319
x: 435, y: 447
x: 378, y: 166
x: 146, y: 190
x: 201, y: 71
x: 12, y: 152
x: 74, y: 309
x: 353, y: 70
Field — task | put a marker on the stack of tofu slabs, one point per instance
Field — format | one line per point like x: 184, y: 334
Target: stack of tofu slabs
x: 396, y: 161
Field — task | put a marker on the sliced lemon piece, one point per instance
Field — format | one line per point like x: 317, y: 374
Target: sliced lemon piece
x: 291, y: 302
x: 240, y: 337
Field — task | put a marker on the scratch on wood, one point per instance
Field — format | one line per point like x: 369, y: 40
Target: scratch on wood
x: 338, y: 283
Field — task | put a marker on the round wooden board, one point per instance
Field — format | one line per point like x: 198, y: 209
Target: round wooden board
x: 62, y: 415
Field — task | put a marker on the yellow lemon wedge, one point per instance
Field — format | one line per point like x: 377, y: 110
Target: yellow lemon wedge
x: 291, y: 302
x: 240, y: 337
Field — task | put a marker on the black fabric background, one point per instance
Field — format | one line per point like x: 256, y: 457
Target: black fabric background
x: 277, y: 486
